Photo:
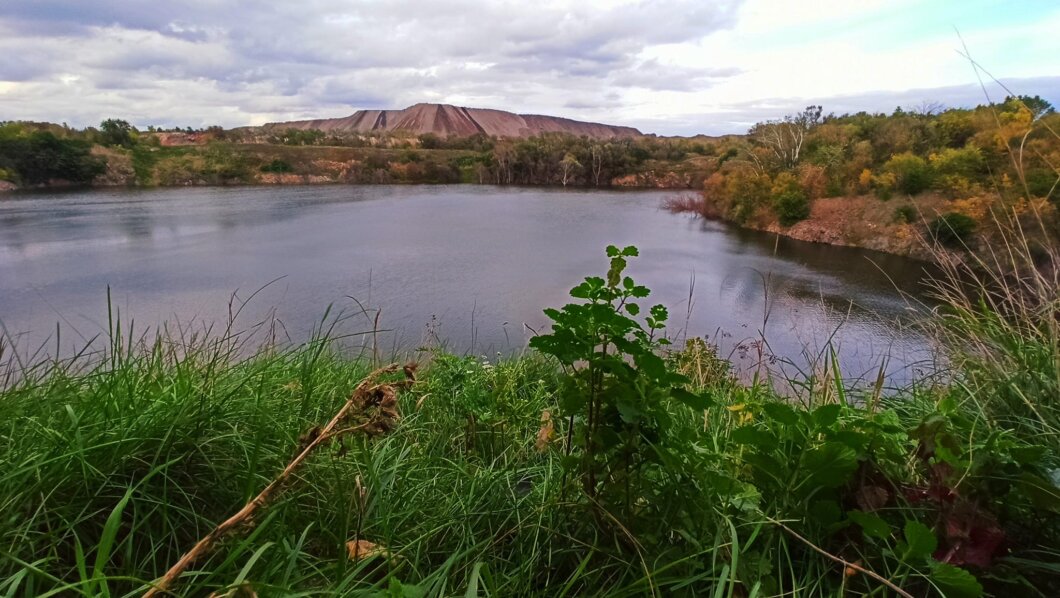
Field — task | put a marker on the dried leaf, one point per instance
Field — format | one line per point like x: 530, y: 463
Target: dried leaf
x: 872, y: 498
x: 410, y: 370
x: 546, y: 433
x: 363, y: 549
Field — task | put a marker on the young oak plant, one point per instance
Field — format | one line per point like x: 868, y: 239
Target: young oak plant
x: 617, y: 385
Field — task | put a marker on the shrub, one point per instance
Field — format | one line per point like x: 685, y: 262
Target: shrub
x: 865, y: 180
x: 278, y: 165
x: 958, y: 170
x: 905, y: 214
x: 737, y: 193
x: 1041, y: 182
x: 912, y: 173
x: 410, y: 156
x: 952, y: 229
x: 617, y: 391
x: 40, y: 157
x: 789, y: 201
x: 967, y: 162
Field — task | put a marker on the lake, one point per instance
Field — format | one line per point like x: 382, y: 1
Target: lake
x: 470, y: 267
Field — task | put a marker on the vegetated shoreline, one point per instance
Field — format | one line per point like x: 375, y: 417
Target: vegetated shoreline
x: 819, y: 227
x: 543, y: 474
x: 878, y: 181
x: 843, y: 222
x: 848, y: 221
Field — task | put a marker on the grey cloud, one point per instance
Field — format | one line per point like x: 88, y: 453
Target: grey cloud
x: 651, y: 74
x: 203, y: 62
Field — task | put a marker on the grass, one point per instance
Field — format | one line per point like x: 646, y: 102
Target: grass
x: 109, y: 472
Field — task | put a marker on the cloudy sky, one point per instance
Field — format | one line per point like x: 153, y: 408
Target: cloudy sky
x: 664, y: 66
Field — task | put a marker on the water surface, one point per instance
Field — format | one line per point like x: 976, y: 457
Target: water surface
x: 470, y: 266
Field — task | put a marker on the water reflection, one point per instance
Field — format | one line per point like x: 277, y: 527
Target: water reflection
x: 470, y: 266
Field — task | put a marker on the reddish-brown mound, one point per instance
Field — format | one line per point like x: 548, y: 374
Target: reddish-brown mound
x: 446, y: 120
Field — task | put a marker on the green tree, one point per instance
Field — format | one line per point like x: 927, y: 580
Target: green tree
x: 117, y: 132
x: 569, y: 165
x: 1038, y: 106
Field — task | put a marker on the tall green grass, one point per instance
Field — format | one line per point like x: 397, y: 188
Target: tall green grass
x: 999, y: 316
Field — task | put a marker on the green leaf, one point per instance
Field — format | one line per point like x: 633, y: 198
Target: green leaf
x: 614, y: 275
x: 659, y: 312
x: 764, y: 464
x: 1042, y: 492
x: 570, y: 462
x: 628, y: 410
x: 829, y: 465
x: 855, y: 440
x: 472, y: 586
x: 699, y: 401
x: 781, y: 413
x: 754, y: 436
x: 1027, y: 455
x: 872, y: 525
x: 633, y: 309
x: 826, y: 415
x: 955, y: 582
x: 110, y: 533
x: 947, y: 406
x: 920, y: 541
x: 581, y: 291
x: 612, y: 251
x: 825, y: 512
x: 630, y: 251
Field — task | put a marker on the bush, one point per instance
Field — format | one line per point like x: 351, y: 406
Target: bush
x: 789, y: 201
x: 952, y: 229
x: 277, y: 166
x: 1041, y: 182
x: 40, y: 157
x: 911, y: 172
x: 737, y: 193
x: 905, y: 214
x: 967, y: 162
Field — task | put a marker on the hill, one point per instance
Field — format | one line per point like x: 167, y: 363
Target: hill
x: 446, y: 120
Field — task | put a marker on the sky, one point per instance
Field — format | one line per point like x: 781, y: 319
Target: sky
x: 671, y: 67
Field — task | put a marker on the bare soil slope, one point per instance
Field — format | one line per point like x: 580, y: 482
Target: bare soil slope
x: 446, y: 120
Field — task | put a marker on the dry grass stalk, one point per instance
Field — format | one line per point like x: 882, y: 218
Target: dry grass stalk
x: 847, y: 565
x: 376, y: 402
